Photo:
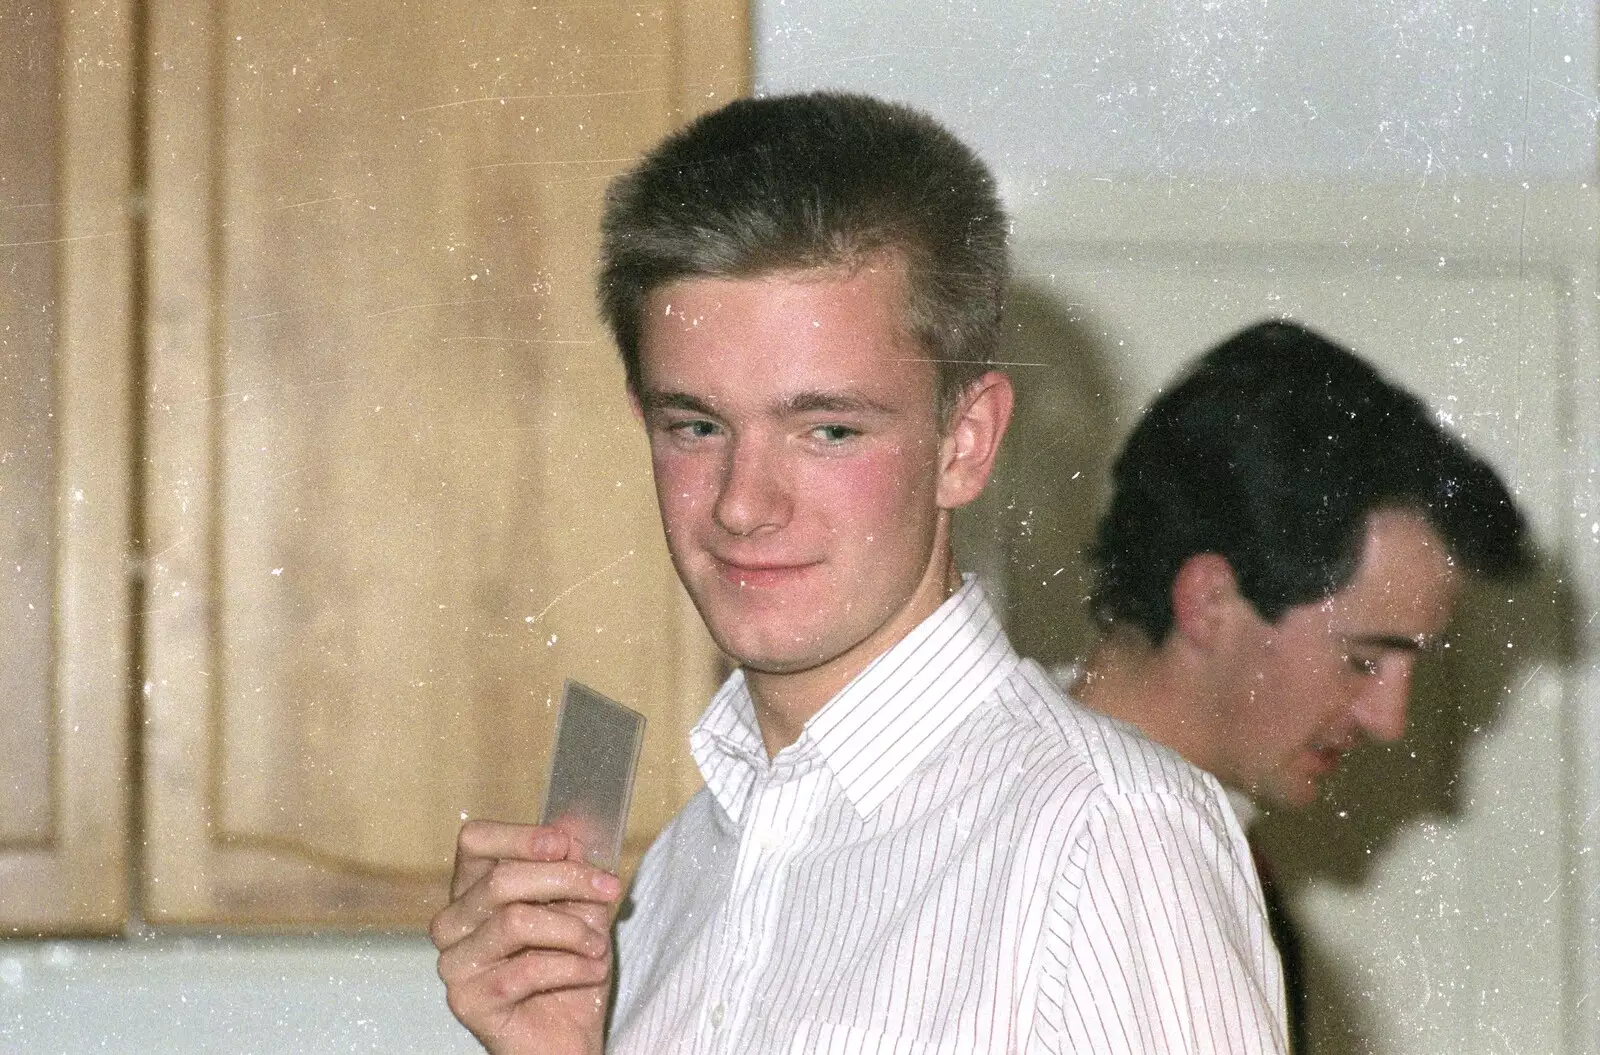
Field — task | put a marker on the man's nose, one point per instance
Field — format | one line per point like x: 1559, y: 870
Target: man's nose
x: 753, y: 496
x: 1381, y: 710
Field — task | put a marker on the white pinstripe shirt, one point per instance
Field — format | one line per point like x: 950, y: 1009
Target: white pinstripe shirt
x: 952, y: 858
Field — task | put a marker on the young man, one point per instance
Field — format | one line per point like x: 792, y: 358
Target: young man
x: 908, y: 840
x: 1286, y: 535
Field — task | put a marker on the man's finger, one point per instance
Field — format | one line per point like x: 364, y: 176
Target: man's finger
x: 529, y: 842
x: 513, y: 930
x: 509, y: 882
x: 481, y: 843
x: 507, y: 983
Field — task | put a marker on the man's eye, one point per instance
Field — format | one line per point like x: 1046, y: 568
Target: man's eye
x: 1363, y: 665
x: 834, y: 433
x: 694, y: 429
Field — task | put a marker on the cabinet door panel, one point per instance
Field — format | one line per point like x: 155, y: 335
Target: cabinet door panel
x: 65, y: 341
x: 395, y: 489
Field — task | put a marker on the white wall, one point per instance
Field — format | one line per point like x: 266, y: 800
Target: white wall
x: 1368, y: 89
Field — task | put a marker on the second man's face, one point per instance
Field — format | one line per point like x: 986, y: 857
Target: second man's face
x: 1330, y: 675
x: 796, y: 449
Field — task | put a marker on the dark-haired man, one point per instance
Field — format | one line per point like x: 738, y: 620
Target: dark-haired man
x: 1286, y: 535
x: 908, y: 840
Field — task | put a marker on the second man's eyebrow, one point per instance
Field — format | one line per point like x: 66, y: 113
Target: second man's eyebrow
x: 1399, y: 642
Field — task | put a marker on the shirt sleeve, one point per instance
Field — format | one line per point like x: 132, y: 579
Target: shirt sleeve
x: 1156, y: 939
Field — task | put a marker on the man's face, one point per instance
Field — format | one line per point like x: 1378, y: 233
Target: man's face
x: 1330, y: 674
x: 796, y: 449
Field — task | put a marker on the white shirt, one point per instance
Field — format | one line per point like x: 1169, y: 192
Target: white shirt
x: 952, y: 858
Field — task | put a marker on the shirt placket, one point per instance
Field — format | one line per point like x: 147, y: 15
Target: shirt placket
x: 780, y: 813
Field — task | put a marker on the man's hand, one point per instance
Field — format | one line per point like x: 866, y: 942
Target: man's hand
x: 524, y: 945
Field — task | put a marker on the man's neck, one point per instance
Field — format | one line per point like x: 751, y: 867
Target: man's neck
x: 786, y: 701
x: 1154, y: 689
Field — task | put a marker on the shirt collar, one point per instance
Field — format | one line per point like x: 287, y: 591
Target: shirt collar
x: 896, y: 712
x: 1244, y: 807
x: 879, y: 727
x: 726, y: 745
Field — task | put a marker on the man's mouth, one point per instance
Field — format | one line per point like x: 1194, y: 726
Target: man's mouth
x: 1326, y: 757
x: 761, y: 574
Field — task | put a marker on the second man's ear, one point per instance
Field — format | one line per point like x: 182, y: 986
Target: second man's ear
x: 972, y: 438
x: 1205, y: 599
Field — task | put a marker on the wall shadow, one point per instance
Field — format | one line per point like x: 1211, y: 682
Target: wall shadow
x: 1029, y: 534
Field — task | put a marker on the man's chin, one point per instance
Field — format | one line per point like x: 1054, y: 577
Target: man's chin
x: 772, y: 668
x: 1291, y: 794
x: 765, y: 658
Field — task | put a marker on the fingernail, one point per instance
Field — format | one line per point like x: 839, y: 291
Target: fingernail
x: 607, y: 884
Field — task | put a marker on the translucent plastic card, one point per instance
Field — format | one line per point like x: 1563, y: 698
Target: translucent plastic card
x: 591, y: 772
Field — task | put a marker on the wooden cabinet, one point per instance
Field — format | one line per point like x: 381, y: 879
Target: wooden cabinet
x: 68, y: 243
x: 378, y: 477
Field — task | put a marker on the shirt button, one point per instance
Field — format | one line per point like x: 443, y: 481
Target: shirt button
x: 716, y: 1016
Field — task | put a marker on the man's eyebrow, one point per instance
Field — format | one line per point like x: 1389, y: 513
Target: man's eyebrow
x: 799, y: 403
x: 1399, y: 642
x: 833, y: 403
x: 654, y: 401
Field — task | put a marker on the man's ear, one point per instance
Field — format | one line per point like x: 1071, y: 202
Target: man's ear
x: 972, y: 437
x: 1206, y: 600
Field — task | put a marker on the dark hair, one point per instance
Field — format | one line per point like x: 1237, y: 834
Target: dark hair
x: 1272, y: 452
x: 814, y: 180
